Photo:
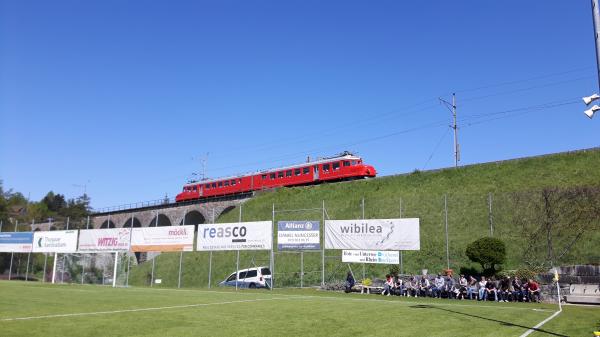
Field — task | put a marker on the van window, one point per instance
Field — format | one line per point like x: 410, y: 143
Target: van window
x: 305, y: 170
x: 242, y: 275
x: 251, y: 273
x: 336, y: 165
x: 231, y: 278
x: 265, y: 271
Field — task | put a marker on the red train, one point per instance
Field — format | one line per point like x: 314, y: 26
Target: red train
x: 343, y: 167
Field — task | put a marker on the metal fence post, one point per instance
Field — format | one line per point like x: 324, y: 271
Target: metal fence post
x: 128, y: 256
x: 62, y: 274
x: 237, y: 261
x: 446, y: 213
x: 323, y: 250
x: 272, y: 252
x: 210, y: 254
x: 301, y: 269
x: 181, y: 254
x: 363, y: 217
x: 12, y: 254
x: 401, y: 261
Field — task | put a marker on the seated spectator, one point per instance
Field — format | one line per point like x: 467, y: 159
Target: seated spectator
x: 388, y: 285
x: 517, y: 294
x: 472, y: 288
x: 450, y: 287
x: 481, y: 286
x: 491, y: 289
x: 424, y: 286
x: 462, y: 287
x: 533, y: 291
x: 438, y: 286
x: 412, y: 287
x: 503, y: 291
x: 525, y: 290
x: 399, y: 287
x: 349, y: 282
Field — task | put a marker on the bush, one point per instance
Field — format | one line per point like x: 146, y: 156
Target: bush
x: 394, y: 270
x: 470, y: 271
x: 490, y: 253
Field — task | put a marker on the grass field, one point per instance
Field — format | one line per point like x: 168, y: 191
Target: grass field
x: 37, y: 309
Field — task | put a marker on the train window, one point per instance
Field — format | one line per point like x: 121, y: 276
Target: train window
x: 325, y: 167
x: 207, y: 186
x: 272, y: 175
x: 353, y: 162
x: 280, y: 174
x: 305, y: 170
x: 220, y: 184
x: 346, y: 163
x: 214, y: 185
x: 226, y: 182
x: 336, y: 165
x: 264, y: 177
x: 297, y: 172
x: 288, y: 173
x: 233, y: 182
x: 195, y: 189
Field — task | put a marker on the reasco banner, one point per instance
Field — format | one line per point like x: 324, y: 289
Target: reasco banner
x: 100, y: 240
x: 163, y: 239
x: 16, y: 242
x: 255, y: 235
x: 55, y: 242
x: 373, y: 234
x: 299, y: 235
x: 371, y: 256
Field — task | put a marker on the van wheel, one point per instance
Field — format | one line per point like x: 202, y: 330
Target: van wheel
x: 252, y: 286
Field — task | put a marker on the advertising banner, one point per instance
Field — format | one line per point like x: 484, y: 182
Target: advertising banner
x: 18, y: 242
x: 373, y: 234
x: 103, y: 240
x: 255, y: 235
x: 163, y: 239
x: 55, y: 242
x: 371, y: 256
x: 298, y: 235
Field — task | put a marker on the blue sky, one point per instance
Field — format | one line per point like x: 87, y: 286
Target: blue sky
x: 125, y: 97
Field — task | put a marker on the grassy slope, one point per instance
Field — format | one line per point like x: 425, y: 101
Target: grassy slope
x: 264, y: 313
x: 421, y: 195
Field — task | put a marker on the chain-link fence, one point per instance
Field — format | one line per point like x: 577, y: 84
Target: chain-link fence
x: 533, y: 226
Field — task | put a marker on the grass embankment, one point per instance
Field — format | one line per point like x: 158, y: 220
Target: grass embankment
x: 419, y: 194
x: 35, y: 309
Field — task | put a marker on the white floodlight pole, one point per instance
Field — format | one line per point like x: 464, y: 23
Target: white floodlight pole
x: 452, y: 108
x: 596, y: 18
x: 115, y: 269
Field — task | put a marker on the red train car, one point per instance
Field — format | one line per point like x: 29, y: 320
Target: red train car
x: 343, y: 167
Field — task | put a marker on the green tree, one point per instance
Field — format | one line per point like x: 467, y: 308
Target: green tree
x: 489, y: 252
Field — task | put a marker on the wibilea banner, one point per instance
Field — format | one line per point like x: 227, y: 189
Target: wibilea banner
x: 374, y: 234
x: 103, y: 240
x: 257, y: 235
x: 55, y: 242
x: 163, y: 239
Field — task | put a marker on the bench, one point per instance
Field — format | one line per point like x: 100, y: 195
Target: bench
x: 584, y: 293
x: 367, y: 289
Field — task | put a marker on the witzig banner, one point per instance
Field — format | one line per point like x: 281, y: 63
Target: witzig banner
x: 374, y: 234
x: 102, y: 240
x: 255, y: 235
x: 17, y: 242
x: 298, y: 235
x: 163, y: 239
x: 371, y: 256
x: 55, y: 242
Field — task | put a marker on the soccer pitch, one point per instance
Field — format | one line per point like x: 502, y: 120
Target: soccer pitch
x: 37, y: 309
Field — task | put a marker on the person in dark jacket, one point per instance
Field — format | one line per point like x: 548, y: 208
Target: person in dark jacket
x: 349, y: 282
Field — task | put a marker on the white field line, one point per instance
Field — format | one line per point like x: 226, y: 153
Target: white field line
x: 540, y: 324
x: 138, y: 309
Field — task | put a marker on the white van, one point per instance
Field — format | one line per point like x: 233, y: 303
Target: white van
x: 258, y: 277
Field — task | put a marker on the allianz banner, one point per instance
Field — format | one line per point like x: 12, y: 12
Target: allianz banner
x: 163, y: 239
x: 255, y: 235
x: 103, y: 240
x: 16, y: 242
x: 55, y: 242
x: 373, y: 234
x: 298, y: 235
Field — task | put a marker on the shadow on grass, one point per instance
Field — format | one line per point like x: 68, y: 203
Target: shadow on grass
x: 425, y: 306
